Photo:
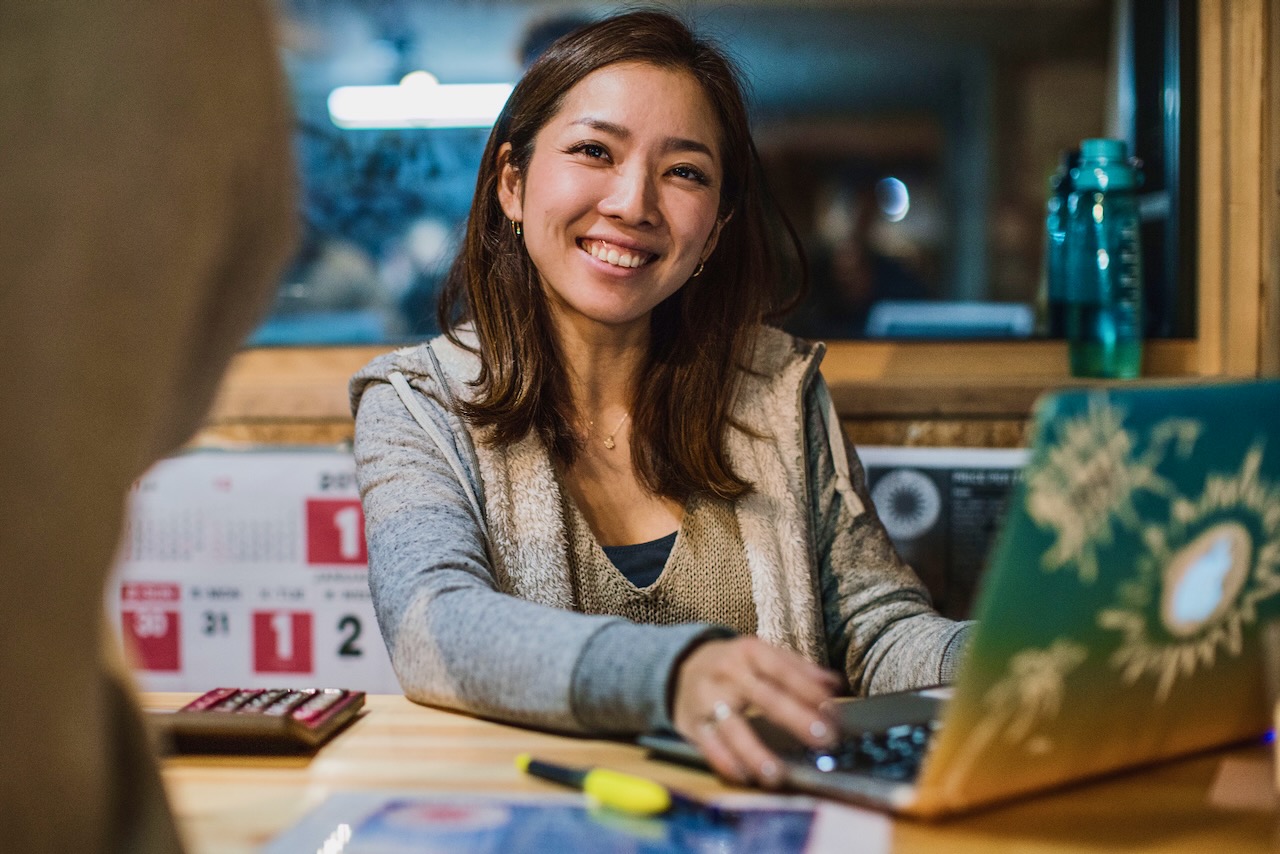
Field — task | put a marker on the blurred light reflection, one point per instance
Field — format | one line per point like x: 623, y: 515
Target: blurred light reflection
x: 418, y: 101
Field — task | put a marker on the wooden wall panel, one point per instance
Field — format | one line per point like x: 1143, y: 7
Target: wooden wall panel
x: 1270, y: 355
x: 250, y: 434
x: 915, y: 432
x: 290, y: 384
x: 1246, y: 30
x: 1210, y: 284
x: 940, y: 433
x: 1236, y: 291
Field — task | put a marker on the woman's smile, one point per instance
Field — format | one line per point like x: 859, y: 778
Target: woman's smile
x: 616, y: 255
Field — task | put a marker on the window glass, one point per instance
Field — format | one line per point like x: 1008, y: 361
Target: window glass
x: 911, y: 143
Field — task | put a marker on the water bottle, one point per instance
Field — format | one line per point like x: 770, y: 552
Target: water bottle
x: 1054, y: 319
x: 1104, y: 264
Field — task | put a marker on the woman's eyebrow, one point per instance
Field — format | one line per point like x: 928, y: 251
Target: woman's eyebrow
x: 611, y: 128
x: 670, y: 144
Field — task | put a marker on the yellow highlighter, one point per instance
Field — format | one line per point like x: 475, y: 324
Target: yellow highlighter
x: 625, y: 792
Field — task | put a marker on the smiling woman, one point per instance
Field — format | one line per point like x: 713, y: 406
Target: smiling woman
x: 712, y: 546
x: 622, y: 144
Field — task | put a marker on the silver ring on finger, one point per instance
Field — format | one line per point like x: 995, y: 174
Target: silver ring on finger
x: 721, y: 712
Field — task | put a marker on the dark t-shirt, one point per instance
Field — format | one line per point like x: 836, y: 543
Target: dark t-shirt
x: 642, y: 563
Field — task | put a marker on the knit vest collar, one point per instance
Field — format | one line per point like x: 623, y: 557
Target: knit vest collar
x: 528, y: 533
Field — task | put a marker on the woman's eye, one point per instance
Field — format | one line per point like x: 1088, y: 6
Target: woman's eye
x: 690, y: 173
x: 590, y: 149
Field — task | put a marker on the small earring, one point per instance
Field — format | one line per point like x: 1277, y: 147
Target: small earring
x: 516, y: 228
x: 697, y: 272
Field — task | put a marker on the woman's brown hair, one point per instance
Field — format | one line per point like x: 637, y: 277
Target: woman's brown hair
x: 700, y: 337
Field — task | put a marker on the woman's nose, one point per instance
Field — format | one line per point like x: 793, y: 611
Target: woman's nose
x: 633, y: 198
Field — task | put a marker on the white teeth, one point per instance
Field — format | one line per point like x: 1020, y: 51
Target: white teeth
x: 604, y: 252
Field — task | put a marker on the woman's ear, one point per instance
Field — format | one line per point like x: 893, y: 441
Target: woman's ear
x: 713, y: 239
x: 510, y: 186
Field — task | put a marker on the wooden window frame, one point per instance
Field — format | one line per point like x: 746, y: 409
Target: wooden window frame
x: 299, y: 394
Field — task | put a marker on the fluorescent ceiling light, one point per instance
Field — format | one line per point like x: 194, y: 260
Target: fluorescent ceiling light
x: 419, y: 101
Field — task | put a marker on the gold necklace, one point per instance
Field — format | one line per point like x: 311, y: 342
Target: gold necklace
x: 609, y: 442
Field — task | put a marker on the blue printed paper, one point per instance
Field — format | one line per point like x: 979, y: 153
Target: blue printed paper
x: 400, y: 822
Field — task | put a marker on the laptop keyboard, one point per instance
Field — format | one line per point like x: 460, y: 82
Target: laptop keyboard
x: 894, y: 754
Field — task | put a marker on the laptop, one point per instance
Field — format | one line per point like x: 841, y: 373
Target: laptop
x: 1120, y: 617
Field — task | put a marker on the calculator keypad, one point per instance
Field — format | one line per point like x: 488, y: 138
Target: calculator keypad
x: 304, y: 704
x: 262, y: 719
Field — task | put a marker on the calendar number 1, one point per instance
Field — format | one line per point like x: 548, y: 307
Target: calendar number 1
x: 282, y: 641
x: 335, y: 532
x: 348, y: 522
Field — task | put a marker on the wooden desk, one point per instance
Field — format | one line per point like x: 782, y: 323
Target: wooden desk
x: 236, y: 804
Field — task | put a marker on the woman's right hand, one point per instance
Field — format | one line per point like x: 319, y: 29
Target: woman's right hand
x: 720, y: 679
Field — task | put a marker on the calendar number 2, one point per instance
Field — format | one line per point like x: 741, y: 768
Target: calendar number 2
x: 349, y: 629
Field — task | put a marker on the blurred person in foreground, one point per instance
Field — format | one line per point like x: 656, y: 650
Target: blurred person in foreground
x: 145, y: 211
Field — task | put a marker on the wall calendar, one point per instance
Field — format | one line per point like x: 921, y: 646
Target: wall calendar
x: 248, y: 568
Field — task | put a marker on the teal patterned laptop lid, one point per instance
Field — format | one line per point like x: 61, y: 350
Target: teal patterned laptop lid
x: 1119, y: 617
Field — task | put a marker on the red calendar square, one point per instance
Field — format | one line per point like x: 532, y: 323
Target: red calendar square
x: 335, y: 531
x: 282, y: 642
x: 154, y: 637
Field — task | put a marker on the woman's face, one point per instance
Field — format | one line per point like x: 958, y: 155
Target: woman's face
x: 619, y: 200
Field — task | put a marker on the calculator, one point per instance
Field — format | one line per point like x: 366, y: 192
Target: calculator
x: 259, y: 720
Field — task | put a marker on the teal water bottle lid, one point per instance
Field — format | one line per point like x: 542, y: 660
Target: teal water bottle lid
x: 1104, y: 165
x: 1104, y: 150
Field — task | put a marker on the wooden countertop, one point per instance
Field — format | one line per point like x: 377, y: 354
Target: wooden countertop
x: 236, y: 804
